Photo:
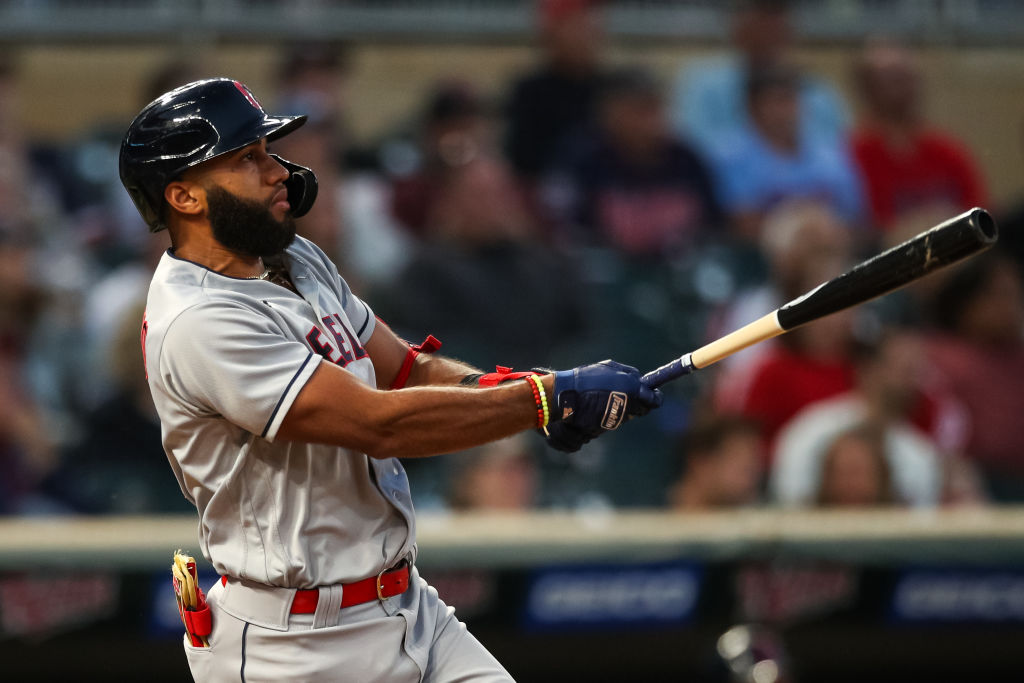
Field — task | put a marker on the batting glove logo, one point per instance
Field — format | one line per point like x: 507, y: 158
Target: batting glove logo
x: 615, y: 411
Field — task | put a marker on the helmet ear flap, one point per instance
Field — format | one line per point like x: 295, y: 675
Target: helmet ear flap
x: 301, y: 185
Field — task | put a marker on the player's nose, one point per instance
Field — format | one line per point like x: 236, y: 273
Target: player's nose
x: 276, y: 172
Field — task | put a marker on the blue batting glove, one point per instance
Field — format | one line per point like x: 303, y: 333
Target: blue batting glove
x: 593, y: 399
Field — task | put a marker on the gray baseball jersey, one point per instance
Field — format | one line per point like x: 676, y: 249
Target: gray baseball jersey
x: 226, y: 357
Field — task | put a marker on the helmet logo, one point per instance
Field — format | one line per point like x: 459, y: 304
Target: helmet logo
x: 248, y: 95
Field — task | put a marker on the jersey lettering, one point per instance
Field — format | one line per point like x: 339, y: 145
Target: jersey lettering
x: 357, y: 349
x: 348, y: 347
x: 316, y: 342
x: 342, y: 342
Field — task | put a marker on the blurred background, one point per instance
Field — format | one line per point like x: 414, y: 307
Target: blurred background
x: 547, y: 184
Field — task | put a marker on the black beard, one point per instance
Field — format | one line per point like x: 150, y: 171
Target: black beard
x: 247, y: 226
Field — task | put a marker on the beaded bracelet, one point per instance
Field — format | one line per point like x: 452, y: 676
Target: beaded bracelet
x: 541, y: 398
x: 537, y: 401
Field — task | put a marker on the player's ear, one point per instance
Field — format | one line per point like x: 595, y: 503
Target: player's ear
x: 185, y: 197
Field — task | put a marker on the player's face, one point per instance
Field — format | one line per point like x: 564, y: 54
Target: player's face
x: 247, y: 203
x: 247, y: 226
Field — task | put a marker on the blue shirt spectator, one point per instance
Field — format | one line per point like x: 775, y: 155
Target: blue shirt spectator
x: 752, y: 175
x: 772, y: 160
x: 708, y: 104
x: 709, y: 99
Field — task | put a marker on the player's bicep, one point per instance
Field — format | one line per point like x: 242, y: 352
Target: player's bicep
x: 226, y: 361
x: 399, y: 365
x: 335, y: 407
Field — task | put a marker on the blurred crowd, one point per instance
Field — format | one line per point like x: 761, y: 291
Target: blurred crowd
x: 592, y: 210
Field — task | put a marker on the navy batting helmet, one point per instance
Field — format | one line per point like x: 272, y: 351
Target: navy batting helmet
x: 195, y: 123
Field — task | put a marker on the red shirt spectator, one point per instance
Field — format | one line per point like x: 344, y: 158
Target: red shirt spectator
x: 930, y: 169
x: 908, y: 168
x: 981, y: 308
x: 785, y: 381
x: 988, y: 380
x: 807, y: 365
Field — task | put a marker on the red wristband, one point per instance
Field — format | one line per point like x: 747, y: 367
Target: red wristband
x: 429, y: 345
x: 501, y: 374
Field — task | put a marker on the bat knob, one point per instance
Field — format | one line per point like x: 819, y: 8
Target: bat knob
x: 669, y: 371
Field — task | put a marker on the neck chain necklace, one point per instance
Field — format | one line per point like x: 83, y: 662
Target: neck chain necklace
x: 262, y: 276
x: 276, y: 274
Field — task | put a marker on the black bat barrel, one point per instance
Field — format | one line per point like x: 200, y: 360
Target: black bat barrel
x: 956, y: 239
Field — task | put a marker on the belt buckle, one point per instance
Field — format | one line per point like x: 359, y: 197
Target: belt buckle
x: 380, y: 588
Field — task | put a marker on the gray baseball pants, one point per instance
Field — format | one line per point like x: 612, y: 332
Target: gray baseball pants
x: 410, y: 638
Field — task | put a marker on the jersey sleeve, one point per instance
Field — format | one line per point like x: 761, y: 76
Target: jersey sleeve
x: 358, y: 311
x: 228, y: 360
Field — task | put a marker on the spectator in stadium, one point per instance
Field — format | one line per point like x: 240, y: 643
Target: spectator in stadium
x: 979, y: 310
x: 559, y: 96
x: 118, y: 290
x: 722, y: 465
x: 709, y: 96
x: 1010, y: 218
x: 351, y: 219
x: 809, y: 364
x: 27, y: 449
x: 310, y: 79
x: 496, y: 477
x: 627, y: 183
x: 30, y: 213
x: 807, y: 245
x: 29, y: 201
x: 759, y: 166
x: 908, y: 166
x: 801, y: 240
x: 481, y: 282
x: 118, y: 466
x: 892, y: 392
x: 455, y: 129
x: 855, y: 470
x: 313, y: 77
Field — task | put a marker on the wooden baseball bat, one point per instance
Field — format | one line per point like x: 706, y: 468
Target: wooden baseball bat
x: 947, y: 243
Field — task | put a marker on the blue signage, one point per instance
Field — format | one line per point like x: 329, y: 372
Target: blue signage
x: 611, y: 596
x: 948, y: 596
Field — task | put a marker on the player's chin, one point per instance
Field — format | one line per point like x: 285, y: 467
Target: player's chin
x: 281, y: 211
x: 288, y: 230
x: 278, y: 235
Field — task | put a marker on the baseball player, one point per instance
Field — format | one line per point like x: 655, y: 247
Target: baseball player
x: 285, y: 405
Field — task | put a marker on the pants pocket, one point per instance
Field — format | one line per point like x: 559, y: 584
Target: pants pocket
x: 199, y: 660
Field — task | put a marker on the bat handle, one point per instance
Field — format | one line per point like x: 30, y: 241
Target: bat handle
x: 670, y: 371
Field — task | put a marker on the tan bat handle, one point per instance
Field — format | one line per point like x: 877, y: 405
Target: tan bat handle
x: 757, y: 331
x: 763, y: 328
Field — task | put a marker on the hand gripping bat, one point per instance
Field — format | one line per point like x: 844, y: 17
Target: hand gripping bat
x: 947, y: 243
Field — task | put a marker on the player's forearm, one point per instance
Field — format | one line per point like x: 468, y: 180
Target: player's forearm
x: 436, y: 370
x: 428, y: 421
x: 335, y: 408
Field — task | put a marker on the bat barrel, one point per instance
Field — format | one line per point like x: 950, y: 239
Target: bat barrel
x: 947, y: 243
x: 984, y: 225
